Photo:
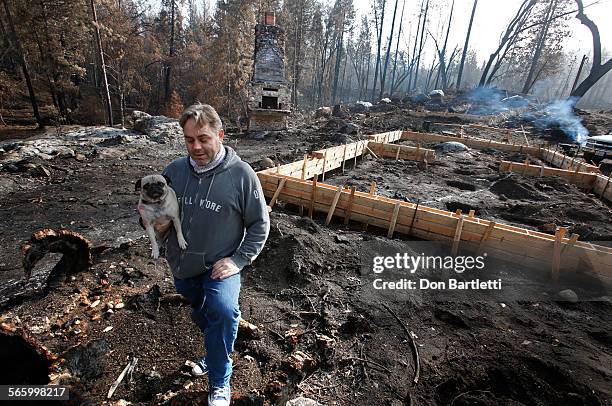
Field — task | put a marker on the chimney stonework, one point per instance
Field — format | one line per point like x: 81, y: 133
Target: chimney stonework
x: 269, y: 96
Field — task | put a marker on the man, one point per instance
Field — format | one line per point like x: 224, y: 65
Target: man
x: 225, y: 222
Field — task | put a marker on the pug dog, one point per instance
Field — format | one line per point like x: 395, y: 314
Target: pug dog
x: 158, y: 200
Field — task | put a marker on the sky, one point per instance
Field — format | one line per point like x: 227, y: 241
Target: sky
x: 490, y: 21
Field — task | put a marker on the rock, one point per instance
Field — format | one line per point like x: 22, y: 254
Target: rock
x: 385, y: 100
x: 65, y: 152
x: 44, y: 156
x: 436, y: 94
x: 361, y: 107
x: 266, y: 163
x: 258, y: 135
x: 341, y: 239
x: 119, y: 306
x: 302, y: 401
x: 451, y: 147
x: 79, y: 157
x: 323, y: 112
x: 568, y: 295
x: 350, y: 128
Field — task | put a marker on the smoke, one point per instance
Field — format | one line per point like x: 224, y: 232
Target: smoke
x: 560, y: 114
x: 486, y: 100
x: 557, y: 114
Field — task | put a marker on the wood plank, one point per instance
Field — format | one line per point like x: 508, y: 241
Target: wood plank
x: 332, y: 208
x: 457, y: 236
x: 277, y: 192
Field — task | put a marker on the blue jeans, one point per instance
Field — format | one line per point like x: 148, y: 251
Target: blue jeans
x: 215, y: 310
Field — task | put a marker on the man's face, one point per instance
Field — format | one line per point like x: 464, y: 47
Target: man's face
x: 202, y: 143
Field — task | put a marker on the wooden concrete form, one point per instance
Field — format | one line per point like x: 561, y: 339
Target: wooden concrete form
x: 563, y: 161
x: 325, y: 160
x: 406, y: 152
x: 290, y: 183
x: 472, y: 142
x: 585, y: 180
x: 500, y: 240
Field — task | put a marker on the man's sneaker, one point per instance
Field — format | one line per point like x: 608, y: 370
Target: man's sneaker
x: 219, y: 396
x: 200, y: 368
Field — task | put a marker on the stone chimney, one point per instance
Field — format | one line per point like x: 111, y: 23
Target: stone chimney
x: 269, y: 95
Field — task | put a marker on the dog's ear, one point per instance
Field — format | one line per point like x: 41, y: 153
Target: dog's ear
x: 168, y: 182
x: 138, y: 185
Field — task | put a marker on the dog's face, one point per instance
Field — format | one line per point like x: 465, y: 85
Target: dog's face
x: 153, y: 187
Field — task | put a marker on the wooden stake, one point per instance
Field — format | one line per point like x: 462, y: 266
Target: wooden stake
x: 572, y: 241
x: 471, y: 213
x: 457, y: 237
x: 356, y: 148
x: 603, y: 191
x: 304, y: 166
x: 277, y: 169
x: 343, y: 158
x: 373, y: 188
x: 313, y: 195
x: 556, y: 260
x: 486, y: 235
x: 324, y: 162
x: 277, y: 192
x: 458, y: 212
x: 371, y: 152
x: 332, y: 208
x: 416, y: 211
x: 399, y: 148
x: 349, y: 209
x: 396, y: 210
x: 541, y: 170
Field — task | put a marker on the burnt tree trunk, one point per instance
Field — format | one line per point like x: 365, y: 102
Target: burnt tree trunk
x: 379, y: 40
x: 384, y: 71
x: 529, y: 81
x: 465, y: 46
x: 109, y: 109
x: 597, y: 69
x: 168, y: 72
x: 418, y: 63
x: 392, y: 87
x: 16, y: 44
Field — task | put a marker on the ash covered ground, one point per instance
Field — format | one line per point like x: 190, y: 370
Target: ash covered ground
x: 322, y: 332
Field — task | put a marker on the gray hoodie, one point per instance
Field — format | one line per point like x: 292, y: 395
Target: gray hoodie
x: 217, y: 207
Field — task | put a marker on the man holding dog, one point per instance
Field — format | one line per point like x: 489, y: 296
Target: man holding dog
x: 225, y: 222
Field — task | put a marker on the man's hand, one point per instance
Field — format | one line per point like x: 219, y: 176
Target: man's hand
x: 224, y: 268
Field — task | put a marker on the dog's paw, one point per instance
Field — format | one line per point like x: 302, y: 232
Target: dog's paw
x: 155, y: 254
x: 182, y: 243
